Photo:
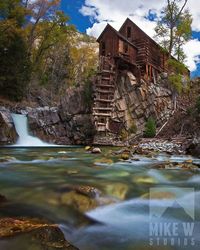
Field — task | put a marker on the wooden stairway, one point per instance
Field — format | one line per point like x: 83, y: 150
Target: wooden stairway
x: 104, y: 88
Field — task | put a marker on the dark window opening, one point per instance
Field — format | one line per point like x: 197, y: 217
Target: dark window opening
x: 125, y: 48
x: 103, y: 48
x: 128, y: 32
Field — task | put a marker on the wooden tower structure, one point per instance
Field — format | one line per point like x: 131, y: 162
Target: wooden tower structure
x: 130, y: 49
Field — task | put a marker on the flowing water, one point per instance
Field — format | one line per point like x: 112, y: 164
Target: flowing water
x: 25, y: 139
x: 137, y: 206
x: 34, y: 181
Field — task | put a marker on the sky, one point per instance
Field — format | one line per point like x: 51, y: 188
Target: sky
x: 91, y: 16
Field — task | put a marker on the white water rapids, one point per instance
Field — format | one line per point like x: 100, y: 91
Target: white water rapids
x: 25, y: 139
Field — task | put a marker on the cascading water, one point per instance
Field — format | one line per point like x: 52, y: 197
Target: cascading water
x: 26, y: 140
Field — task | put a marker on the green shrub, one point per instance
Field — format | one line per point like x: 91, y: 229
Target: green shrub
x: 176, y: 82
x: 177, y: 66
x: 150, y: 128
x: 176, y: 78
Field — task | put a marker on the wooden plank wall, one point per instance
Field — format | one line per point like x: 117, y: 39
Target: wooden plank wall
x: 111, y: 43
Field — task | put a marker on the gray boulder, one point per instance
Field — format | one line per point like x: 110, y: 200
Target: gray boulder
x: 8, y: 134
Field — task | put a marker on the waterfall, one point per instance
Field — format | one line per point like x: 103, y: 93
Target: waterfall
x: 25, y: 139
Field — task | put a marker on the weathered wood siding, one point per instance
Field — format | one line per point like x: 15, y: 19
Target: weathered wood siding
x: 149, y: 51
x: 127, y: 51
x: 111, y: 41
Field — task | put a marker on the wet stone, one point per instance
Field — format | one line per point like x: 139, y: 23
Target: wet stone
x: 118, y: 190
x: 78, y: 201
x: 7, y: 159
x: 2, y: 199
x: 96, y: 151
x: 47, y: 236
x: 88, y: 191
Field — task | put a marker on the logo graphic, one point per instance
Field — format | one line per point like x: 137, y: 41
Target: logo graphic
x: 172, y: 214
x: 169, y: 198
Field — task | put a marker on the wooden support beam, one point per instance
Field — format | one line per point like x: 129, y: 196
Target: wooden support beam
x: 147, y: 72
x: 102, y: 100
x: 102, y: 114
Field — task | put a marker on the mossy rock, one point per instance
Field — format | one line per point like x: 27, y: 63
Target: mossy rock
x: 7, y: 159
x: 125, y: 157
x: 159, y: 195
x: 88, y: 148
x: 52, y: 238
x: 37, y: 233
x: 11, y: 226
x: 145, y: 180
x: 79, y: 201
x: 118, y: 190
x: 89, y: 191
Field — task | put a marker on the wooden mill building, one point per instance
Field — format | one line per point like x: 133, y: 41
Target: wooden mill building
x: 131, y: 49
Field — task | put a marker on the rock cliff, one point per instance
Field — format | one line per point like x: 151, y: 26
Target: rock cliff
x: 69, y: 123
x: 134, y: 103
x: 8, y: 134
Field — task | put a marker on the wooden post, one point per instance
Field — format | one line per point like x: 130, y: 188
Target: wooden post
x: 150, y: 72
x: 147, y: 72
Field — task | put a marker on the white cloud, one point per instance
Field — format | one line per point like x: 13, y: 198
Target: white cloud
x: 194, y: 7
x: 192, y: 50
x: 116, y: 11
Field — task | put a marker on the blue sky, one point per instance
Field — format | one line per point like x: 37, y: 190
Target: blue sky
x: 71, y: 8
x: 89, y: 16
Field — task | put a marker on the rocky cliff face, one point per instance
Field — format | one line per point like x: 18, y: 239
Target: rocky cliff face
x: 135, y: 103
x: 69, y: 123
x: 8, y: 134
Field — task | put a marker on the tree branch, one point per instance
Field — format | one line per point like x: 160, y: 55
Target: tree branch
x: 182, y: 9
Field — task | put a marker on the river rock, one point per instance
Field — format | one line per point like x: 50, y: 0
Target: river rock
x: 8, y: 134
x: 88, y: 191
x: 7, y: 159
x: 159, y: 195
x: 11, y: 227
x: 2, y: 199
x: 52, y: 238
x: 79, y: 201
x: 124, y: 157
x: 118, y: 190
x: 144, y: 180
x: 88, y: 148
x: 158, y: 145
x: 48, y: 236
x: 96, y: 151
x: 81, y: 197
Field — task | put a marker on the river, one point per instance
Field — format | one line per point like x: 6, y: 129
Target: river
x: 131, y: 198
